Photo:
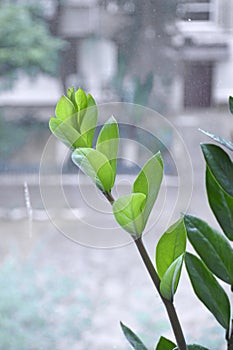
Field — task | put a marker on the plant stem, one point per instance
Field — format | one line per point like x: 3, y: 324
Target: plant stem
x: 180, y: 340
x: 175, y: 323
x: 109, y: 197
x: 230, y: 338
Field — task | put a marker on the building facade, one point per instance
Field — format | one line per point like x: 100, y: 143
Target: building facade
x: 204, y: 44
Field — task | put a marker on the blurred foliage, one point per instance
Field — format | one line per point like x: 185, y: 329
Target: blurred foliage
x: 40, y: 308
x: 25, y: 43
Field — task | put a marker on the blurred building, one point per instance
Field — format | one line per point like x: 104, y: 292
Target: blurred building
x: 204, y: 50
x: 202, y: 45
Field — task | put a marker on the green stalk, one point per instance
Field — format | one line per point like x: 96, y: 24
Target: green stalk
x: 175, y: 323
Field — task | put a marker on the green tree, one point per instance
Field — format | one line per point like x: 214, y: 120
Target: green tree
x: 26, y: 44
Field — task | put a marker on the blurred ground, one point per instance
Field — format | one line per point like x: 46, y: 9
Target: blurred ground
x: 113, y: 281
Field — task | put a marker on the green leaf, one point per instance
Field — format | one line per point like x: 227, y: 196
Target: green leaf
x: 171, y: 245
x: 149, y: 182
x: 128, y: 212
x: 71, y: 95
x: 212, y: 247
x: 144, y: 194
x: 89, y: 121
x: 170, y: 279
x: 90, y: 101
x: 108, y: 140
x: 96, y: 166
x: 221, y: 204
x: 220, y: 165
x: 64, y: 108
x: 231, y: 104
x: 208, y: 290
x: 219, y: 139
x: 132, y: 338
x: 81, y: 103
x: 66, y: 133
x: 81, y: 99
x: 165, y: 344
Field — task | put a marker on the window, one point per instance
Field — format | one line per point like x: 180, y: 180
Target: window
x: 196, y: 11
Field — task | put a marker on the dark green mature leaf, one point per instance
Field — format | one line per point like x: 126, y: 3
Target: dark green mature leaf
x: 165, y: 344
x: 221, y: 204
x: 219, y: 139
x: 170, y: 279
x: 132, y: 338
x: 128, y: 212
x: 231, y: 104
x: 220, y: 165
x: 171, y: 245
x: 212, y: 247
x: 149, y: 182
x: 95, y: 165
x: 208, y: 290
x: 108, y: 140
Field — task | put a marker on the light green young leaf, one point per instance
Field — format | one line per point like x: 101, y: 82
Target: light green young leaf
x: 219, y: 139
x: 220, y: 166
x: 64, y: 108
x: 170, y: 279
x: 71, y: 95
x: 212, y: 247
x: 132, y: 338
x: 95, y: 165
x: 149, y: 182
x: 208, y: 290
x: 165, y: 344
x: 81, y: 99
x: 108, y: 140
x: 128, y: 212
x: 81, y: 103
x: 90, y: 101
x: 221, y: 204
x: 66, y: 133
x: 231, y: 104
x: 89, y: 121
x: 171, y: 245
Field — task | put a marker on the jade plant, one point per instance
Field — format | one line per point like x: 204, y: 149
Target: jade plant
x: 75, y: 125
